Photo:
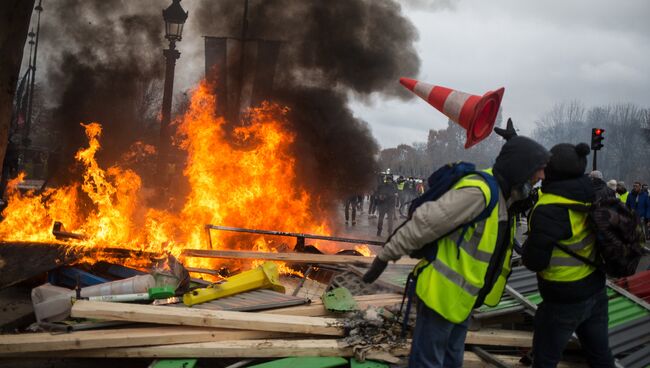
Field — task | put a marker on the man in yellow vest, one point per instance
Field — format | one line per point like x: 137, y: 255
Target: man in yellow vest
x: 573, y: 292
x: 622, y: 192
x: 467, y: 274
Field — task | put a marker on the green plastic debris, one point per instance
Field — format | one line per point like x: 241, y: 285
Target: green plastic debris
x: 304, y: 362
x: 174, y: 363
x: 339, y: 300
x: 367, y: 364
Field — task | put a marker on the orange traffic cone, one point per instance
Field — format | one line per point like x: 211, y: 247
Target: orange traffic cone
x: 476, y: 114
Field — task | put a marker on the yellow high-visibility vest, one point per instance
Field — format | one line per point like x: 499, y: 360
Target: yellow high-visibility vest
x: 564, y: 267
x: 450, y: 285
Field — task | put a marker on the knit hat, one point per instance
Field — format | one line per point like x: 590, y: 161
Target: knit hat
x: 567, y: 161
x: 518, y: 160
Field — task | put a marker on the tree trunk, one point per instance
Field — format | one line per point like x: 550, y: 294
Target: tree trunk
x: 14, y: 25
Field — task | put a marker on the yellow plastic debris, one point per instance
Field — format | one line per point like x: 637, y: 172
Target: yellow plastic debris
x: 265, y: 276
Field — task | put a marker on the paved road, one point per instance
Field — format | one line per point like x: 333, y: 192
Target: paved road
x: 365, y: 228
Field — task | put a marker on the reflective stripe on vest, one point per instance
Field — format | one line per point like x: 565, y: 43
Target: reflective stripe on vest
x: 563, y: 266
x: 451, y: 283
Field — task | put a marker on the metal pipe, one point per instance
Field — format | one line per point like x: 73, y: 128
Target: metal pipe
x: 628, y: 295
x: 294, y: 235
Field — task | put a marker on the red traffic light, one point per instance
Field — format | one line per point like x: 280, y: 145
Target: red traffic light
x: 599, y: 131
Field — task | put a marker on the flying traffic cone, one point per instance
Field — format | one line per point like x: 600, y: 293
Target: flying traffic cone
x: 476, y: 114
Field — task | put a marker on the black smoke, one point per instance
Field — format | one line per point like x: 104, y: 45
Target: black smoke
x: 101, y: 65
x: 331, y: 50
x: 104, y: 56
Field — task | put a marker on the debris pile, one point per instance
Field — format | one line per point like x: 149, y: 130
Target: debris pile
x: 258, y: 315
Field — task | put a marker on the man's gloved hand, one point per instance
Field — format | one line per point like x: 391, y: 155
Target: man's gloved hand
x: 378, y: 266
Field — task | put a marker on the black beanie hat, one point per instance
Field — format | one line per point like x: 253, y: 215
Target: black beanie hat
x: 518, y: 160
x: 567, y: 161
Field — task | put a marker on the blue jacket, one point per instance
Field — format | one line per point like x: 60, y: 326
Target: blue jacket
x: 639, y: 203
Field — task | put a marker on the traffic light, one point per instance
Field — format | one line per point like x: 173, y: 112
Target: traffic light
x: 597, y: 138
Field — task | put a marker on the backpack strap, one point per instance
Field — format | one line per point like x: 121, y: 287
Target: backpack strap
x: 578, y: 208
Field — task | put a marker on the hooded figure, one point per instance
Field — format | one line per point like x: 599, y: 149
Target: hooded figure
x: 573, y: 292
x: 470, y: 267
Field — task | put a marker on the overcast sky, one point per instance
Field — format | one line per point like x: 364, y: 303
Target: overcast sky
x: 542, y: 52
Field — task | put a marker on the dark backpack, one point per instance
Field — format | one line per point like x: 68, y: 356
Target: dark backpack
x: 619, y: 237
x: 440, y: 182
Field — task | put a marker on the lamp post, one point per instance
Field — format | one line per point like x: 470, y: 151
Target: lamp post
x: 175, y: 18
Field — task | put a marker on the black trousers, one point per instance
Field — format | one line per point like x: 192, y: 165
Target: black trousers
x: 351, y: 202
x: 555, y: 323
x: 387, y: 210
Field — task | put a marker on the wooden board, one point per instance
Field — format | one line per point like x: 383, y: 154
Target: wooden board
x: 288, y: 257
x: 493, y: 337
x: 35, y: 342
x: 267, y: 349
x: 229, y: 349
x: 206, y: 318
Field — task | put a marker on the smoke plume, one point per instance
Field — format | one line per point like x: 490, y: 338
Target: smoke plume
x: 102, y: 66
x: 330, y: 50
x: 103, y: 56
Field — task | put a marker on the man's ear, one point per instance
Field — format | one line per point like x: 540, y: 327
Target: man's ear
x: 508, y: 132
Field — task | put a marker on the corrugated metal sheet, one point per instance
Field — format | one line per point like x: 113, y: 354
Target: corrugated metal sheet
x: 251, y: 301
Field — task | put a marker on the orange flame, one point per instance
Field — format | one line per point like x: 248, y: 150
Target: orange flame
x: 244, y: 179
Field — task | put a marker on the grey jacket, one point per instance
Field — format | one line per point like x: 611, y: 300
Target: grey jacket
x: 434, y: 219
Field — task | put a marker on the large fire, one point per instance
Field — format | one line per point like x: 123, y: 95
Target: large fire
x: 246, y: 179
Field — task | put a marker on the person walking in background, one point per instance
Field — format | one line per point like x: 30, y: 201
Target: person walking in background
x: 387, y: 194
x: 372, y: 202
x: 351, y: 202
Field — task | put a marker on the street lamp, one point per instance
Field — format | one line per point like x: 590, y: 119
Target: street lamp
x: 175, y: 18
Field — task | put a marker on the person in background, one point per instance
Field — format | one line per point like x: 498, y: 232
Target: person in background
x: 387, y: 195
x: 638, y: 202
x: 351, y: 202
x: 600, y: 187
x: 622, y: 192
x: 419, y: 187
x: 372, y: 201
x: 574, y: 297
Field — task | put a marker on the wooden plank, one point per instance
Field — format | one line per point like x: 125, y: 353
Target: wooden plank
x: 45, y: 342
x: 288, y: 257
x: 35, y: 342
x: 494, y: 337
x: 206, y: 318
x: 267, y: 349
x: 230, y: 349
